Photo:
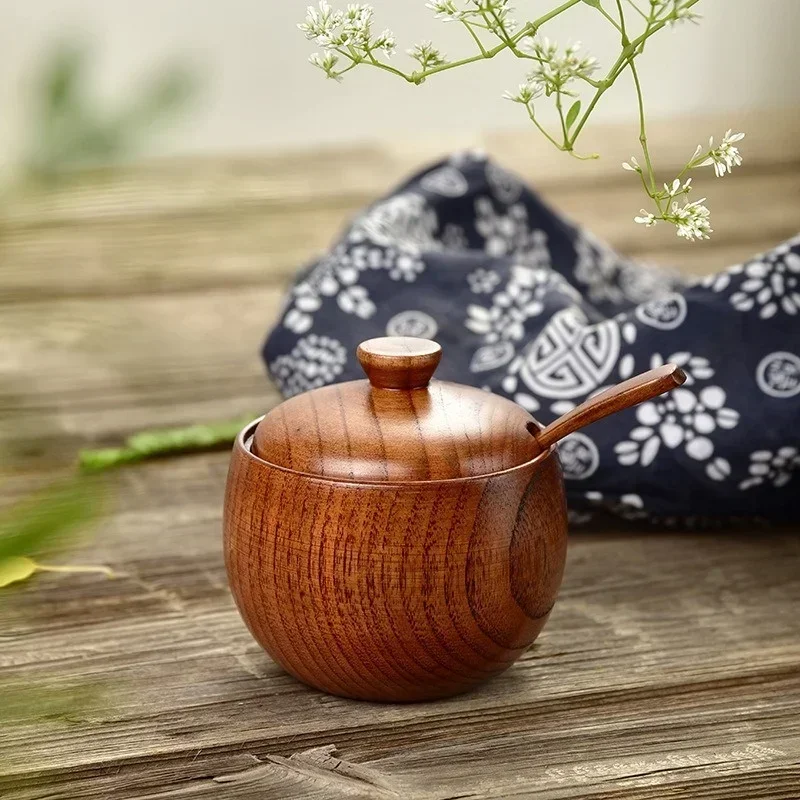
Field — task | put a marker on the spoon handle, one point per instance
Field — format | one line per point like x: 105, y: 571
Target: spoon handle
x: 629, y: 393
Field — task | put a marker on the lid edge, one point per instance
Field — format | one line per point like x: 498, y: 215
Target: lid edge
x: 245, y: 436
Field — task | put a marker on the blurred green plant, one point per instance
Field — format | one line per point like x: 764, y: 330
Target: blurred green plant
x: 40, y: 525
x: 158, y: 443
x: 72, y: 129
x: 44, y: 523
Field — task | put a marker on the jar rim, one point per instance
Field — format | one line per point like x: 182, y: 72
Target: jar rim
x: 244, y: 441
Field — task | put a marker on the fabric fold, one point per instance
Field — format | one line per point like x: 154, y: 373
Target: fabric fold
x: 532, y: 307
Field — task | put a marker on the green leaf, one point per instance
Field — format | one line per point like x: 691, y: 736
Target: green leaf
x: 573, y: 112
x: 592, y: 3
x: 171, y: 441
x: 44, y: 519
x: 15, y: 569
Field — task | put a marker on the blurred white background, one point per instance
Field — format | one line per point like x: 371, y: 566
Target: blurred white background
x: 260, y: 93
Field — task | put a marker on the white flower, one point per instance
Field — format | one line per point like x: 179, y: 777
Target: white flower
x: 632, y: 165
x: 772, y: 283
x: 495, y: 14
x: 386, y: 42
x: 672, y: 11
x: 327, y: 63
x: 677, y: 188
x: 692, y: 220
x: 684, y: 14
x: 525, y: 94
x: 320, y: 25
x: 356, y: 26
x: 775, y: 468
x: 427, y: 55
x: 726, y: 156
x: 648, y: 220
x: 445, y: 10
x: 554, y: 71
x: 350, y: 29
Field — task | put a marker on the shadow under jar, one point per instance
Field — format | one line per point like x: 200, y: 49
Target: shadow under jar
x: 397, y: 539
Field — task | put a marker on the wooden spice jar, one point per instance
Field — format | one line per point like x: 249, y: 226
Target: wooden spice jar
x: 401, y: 538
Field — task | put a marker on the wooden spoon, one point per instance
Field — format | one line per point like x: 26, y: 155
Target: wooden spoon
x: 629, y: 393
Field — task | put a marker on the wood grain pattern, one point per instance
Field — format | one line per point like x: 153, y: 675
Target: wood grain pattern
x: 394, y: 591
x: 669, y: 666
x: 362, y: 432
x: 440, y: 572
x: 399, y: 362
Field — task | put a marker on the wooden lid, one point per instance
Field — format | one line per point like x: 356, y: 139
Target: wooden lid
x: 399, y: 425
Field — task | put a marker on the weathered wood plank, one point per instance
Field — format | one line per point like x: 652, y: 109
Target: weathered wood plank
x: 685, y: 676
x: 366, y: 170
x: 670, y: 667
x: 167, y: 228
x: 84, y: 371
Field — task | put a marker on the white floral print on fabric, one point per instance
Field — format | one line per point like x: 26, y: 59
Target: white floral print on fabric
x: 504, y: 185
x: 355, y: 300
x: 483, y: 281
x: 771, y: 285
x: 612, y: 279
x: 579, y: 456
x: 685, y: 418
x: 778, y: 374
x: 666, y: 313
x: 775, y: 469
x: 627, y: 506
x: 509, y: 234
x: 520, y: 299
x: 454, y: 238
x: 412, y: 323
x: 570, y: 358
x: 446, y: 181
x: 492, y: 356
x: 337, y: 276
x: 404, y: 221
x: 771, y: 282
x: 314, y: 361
x: 419, y: 259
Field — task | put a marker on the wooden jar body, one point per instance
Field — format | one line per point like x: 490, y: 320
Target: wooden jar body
x: 394, y: 592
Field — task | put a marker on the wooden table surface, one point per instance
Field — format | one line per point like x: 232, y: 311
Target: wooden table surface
x: 139, y: 297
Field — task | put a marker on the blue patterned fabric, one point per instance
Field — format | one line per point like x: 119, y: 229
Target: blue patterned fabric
x: 532, y: 307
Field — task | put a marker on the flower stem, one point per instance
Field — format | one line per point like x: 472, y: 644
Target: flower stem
x: 528, y: 30
x: 541, y: 129
x: 475, y: 37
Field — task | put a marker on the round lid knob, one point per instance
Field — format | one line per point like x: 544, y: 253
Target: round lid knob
x: 399, y: 362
